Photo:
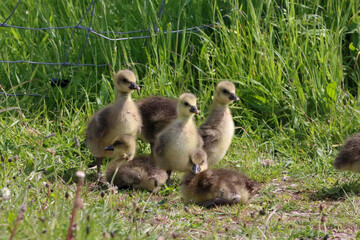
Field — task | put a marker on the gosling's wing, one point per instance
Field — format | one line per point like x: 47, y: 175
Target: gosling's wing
x: 160, y: 144
x: 99, y: 124
x: 209, y: 135
x: 131, y: 177
x: 206, y: 180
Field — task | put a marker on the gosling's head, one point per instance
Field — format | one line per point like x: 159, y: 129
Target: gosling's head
x: 197, y: 161
x: 225, y: 93
x: 123, y: 146
x: 125, y: 81
x: 187, y: 105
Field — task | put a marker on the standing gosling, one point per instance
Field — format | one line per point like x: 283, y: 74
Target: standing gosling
x: 174, y: 144
x: 156, y: 114
x: 218, y: 130
x: 349, y: 155
x: 121, y: 117
x: 217, y: 187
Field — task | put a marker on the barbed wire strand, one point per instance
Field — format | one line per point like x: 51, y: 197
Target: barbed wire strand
x: 52, y: 63
x: 156, y: 29
x: 69, y: 42
x: 100, y: 34
x: 161, y: 9
x: 22, y: 94
x: 89, y: 30
x: 13, y: 11
x: 86, y: 38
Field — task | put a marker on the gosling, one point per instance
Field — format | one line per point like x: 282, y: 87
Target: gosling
x: 349, y: 155
x: 174, y: 144
x: 218, y: 130
x: 156, y: 114
x: 121, y: 117
x: 123, y: 147
x: 217, y: 187
x: 141, y: 172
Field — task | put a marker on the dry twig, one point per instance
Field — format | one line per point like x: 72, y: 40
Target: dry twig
x: 20, y: 217
x: 77, y: 201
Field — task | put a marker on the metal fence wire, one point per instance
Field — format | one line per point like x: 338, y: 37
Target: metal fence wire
x: 90, y: 10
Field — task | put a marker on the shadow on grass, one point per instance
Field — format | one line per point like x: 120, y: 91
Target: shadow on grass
x: 338, y: 191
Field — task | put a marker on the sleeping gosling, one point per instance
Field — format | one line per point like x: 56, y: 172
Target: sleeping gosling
x: 156, y: 114
x: 119, y: 118
x: 349, y: 155
x: 217, y: 187
x: 174, y: 144
x: 140, y: 173
x: 218, y: 130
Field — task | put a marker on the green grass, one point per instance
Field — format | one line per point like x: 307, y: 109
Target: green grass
x: 296, y: 68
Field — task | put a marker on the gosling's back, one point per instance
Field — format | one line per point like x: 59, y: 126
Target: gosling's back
x: 156, y: 113
x: 141, y: 173
x: 218, y: 186
x: 349, y: 155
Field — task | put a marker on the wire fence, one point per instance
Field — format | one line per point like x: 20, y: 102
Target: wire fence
x: 90, y: 10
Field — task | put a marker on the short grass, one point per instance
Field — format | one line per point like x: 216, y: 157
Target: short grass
x: 296, y: 68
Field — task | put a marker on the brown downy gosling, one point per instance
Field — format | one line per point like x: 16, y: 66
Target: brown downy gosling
x: 118, y: 118
x: 217, y: 187
x: 174, y: 144
x: 156, y: 113
x: 218, y: 130
x: 349, y: 155
x: 141, y: 172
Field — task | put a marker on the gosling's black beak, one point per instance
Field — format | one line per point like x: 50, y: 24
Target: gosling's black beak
x: 233, y: 97
x: 134, y: 86
x: 196, y: 169
x: 109, y: 148
x: 194, y: 109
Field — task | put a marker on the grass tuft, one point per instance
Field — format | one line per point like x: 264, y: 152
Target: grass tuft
x: 296, y: 68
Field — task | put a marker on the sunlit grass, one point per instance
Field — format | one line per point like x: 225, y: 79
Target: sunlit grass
x: 296, y: 70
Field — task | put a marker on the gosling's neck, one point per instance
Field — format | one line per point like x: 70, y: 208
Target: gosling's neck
x: 185, y: 119
x: 219, y: 106
x: 123, y: 96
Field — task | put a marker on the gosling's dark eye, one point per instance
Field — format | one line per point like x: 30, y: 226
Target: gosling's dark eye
x: 122, y: 80
x: 225, y: 91
x: 117, y: 143
x: 186, y: 103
